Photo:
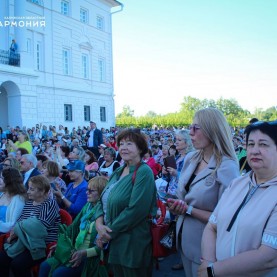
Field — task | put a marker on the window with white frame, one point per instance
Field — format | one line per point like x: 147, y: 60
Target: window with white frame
x: 87, y: 113
x: 102, y: 69
x: 83, y: 15
x: 65, y: 54
x: 64, y: 7
x: 67, y: 112
x: 85, y: 66
x: 100, y: 22
x: 103, y: 114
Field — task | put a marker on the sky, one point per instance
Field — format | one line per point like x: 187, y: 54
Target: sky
x: 166, y: 50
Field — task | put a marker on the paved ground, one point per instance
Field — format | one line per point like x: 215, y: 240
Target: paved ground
x: 165, y: 268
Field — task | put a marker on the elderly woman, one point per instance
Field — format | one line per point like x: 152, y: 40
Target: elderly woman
x: 184, y: 146
x: 205, y: 175
x: 126, y: 204
x: 110, y: 164
x: 37, y: 226
x: 12, y: 198
x: 85, y: 261
x: 23, y: 142
x: 240, y: 238
x: 75, y: 196
x: 11, y: 162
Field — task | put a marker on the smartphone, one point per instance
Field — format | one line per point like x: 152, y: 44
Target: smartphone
x: 53, y: 186
x: 170, y: 162
x: 163, y: 196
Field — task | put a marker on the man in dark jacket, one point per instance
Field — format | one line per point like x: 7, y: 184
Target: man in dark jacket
x: 94, y: 139
x: 28, y: 163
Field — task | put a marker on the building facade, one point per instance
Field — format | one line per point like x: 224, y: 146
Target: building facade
x: 60, y: 68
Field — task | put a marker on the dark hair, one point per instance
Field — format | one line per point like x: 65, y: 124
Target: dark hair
x: 66, y: 150
x: 269, y: 128
x: 13, y: 181
x: 253, y: 120
x: 135, y: 136
x: 41, y: 158
x: 173, y: 146
x: 22, y: 150
x: 92, y: 157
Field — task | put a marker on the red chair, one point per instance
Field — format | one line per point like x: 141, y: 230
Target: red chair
x: 66, y: 218
x: 3, y: 238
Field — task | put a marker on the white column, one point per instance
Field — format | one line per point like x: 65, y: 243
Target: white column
x: 4, y: 31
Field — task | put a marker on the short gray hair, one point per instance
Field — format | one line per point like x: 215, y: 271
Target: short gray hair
x: 31, y: 158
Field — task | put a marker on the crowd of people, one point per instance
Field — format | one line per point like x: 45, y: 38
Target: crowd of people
x: 220, y: 183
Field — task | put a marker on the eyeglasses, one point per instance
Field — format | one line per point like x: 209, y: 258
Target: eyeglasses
x: 6, y: 165
x: 194, y: 127
x: 90, y: 191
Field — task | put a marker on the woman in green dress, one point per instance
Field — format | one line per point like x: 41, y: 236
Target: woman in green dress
x: 86, y: 260
x: 126, y: 205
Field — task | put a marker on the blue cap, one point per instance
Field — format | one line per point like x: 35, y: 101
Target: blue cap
x: 76, y: 165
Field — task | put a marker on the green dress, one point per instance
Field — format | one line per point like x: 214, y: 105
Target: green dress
x: 129, y: 206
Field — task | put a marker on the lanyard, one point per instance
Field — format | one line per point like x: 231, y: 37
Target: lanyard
x: 246, y: 199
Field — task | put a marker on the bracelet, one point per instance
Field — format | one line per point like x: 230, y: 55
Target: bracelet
x: 189, y: 210
x: 63, y: 197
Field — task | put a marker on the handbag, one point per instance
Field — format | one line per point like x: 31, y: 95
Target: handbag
x: 64, y: 248
x: 169, y: 239
x: 161, y: 230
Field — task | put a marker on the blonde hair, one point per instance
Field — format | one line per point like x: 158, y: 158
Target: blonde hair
x: 215, y: 126
x: 98, y: 183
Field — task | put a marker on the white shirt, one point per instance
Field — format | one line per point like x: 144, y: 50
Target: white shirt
x: 90, y: 139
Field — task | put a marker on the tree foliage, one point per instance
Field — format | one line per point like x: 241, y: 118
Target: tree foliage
x: 233, y: 112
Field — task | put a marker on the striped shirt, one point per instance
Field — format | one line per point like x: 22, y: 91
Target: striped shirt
x: 48, y: 213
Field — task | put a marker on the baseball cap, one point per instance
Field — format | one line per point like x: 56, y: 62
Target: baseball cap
x: 76, y: 165
x: 103, y: 145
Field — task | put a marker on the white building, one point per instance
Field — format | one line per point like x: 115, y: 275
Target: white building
x: 64, y: 74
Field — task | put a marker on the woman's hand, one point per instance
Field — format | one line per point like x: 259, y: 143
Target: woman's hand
x: 11, y: 237
x: 57, y: 192
x: 177, y: 206
x: 77, y: 257
x: 202, y: 269
x: 172, y: 171
x: 103, y: 233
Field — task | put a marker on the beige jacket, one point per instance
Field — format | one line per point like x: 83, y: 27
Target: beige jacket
x: 256, y: 222
x: 204, y: 193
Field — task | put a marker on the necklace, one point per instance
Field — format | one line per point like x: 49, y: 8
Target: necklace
x: 204, y: 160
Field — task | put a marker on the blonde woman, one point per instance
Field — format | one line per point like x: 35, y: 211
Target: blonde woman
x: 205, y: 175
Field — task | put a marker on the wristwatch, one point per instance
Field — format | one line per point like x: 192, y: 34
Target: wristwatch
x: 189, y: 210
x: 210, y: 270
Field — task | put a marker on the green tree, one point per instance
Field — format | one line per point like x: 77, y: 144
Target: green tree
x: 127, y: 112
